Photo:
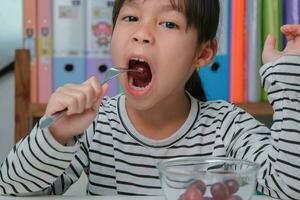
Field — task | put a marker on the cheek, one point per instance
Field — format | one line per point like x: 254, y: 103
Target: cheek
x: 182, y: 50
x: 178, y: 59
x: 116, y: 46
x: 113, y: 43
x: 178, y: 64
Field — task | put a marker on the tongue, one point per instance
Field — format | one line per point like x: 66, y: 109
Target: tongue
x: 142, y: 76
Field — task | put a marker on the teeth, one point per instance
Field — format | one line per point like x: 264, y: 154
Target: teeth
x: 135, y: 87
x: 138, y: 59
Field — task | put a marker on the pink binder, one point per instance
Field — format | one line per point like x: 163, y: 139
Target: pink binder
x: 99, y: 31
x: 44, y: 54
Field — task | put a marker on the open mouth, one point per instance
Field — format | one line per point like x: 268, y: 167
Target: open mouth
x: 141, y: 78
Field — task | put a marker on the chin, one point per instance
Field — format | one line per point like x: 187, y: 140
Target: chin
x: 138, y: 104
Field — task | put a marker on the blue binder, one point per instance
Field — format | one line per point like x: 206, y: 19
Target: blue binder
x: 68, y: 42
x: 68, y: 70
x: 291, y: 13
x: 215, y: 77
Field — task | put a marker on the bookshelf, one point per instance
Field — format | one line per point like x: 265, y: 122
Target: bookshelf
x: 26, y: 113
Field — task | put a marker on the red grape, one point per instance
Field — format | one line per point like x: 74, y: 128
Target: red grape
x: 219, y: 191
x: 200, y: 185
x: 235, y: 197
x: 192, y: 193
x: 232, y: 185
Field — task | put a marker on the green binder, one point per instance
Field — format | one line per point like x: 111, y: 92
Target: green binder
x: 271, y: 23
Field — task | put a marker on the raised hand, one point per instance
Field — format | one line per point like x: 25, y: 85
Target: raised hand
x: 292, y: 33
x: 82, y: 100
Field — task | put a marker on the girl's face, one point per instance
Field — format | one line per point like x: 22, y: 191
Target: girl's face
x: 151, y: 35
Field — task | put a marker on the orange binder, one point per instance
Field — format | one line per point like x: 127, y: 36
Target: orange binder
x: 30, y: 33
x: 44, y: 50
x: 238, y: 89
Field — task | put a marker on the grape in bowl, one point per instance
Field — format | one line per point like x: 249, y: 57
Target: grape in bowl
x: 212, y: 177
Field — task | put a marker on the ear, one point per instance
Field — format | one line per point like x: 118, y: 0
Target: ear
x: 205, y: 53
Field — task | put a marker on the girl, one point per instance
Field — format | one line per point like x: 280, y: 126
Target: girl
x: 118, y: 141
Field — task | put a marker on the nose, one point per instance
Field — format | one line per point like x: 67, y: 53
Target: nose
x: 143, y: 35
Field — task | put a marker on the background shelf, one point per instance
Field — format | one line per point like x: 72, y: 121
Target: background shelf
x: 26, y: 113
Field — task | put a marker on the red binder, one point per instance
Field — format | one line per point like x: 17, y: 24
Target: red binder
x: 30, y: 33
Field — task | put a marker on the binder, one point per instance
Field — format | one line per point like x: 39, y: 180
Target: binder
x: 68, y: 42
x: 238, y: 88
x: 44, y: 50
x: 253, y: 49
x: 99, y: 32
x: 291, y: 12
x: 271, y: 22
x: 29, y: 42
x: 215, y: 78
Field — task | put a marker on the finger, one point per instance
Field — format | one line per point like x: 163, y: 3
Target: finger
x: 100, y: 90
x: 99, y: 100
x: 292, y: 28
x: 61, y: 100
x: 58, y: 101
x: 104, y: 90
x: 270, y: 53
x: 89, y: 93
x: 78, y: 103
x: 93, y: 81
x: 270, y: 43
x: 288, y: 33
x: 52, y: 105
x: 289, y: 37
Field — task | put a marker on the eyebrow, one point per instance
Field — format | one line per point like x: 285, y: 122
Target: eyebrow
x: 131, y: 3
x: 171, y: 7
x: 167, y: 7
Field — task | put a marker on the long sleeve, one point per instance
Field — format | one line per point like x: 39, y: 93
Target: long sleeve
x: 277, y: 150
x: 38, y: 164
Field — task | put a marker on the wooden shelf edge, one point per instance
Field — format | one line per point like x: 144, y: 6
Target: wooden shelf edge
x: 37, y: 110
x: 259, y: 108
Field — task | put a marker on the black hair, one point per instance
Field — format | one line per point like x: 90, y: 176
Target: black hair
x: 201, y: 14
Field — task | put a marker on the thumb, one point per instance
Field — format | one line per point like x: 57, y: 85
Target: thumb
x: 99, y: 100
x: 270, y: 53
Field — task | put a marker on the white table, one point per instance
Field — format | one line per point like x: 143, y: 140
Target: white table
x: 104, y: 198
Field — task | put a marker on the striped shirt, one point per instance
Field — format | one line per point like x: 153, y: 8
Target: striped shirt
x: 120, y: 160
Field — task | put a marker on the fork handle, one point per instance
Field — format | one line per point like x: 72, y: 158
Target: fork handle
x: 48, y: 121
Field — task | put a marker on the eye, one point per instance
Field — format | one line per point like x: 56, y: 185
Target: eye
x: 130, y: 19
x: 170, y: 25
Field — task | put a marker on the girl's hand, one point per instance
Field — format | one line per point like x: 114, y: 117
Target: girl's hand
x: 82, y: 101
x: 292, y: 33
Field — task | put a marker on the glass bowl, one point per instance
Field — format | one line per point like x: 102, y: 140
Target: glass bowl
x: 213, y: 178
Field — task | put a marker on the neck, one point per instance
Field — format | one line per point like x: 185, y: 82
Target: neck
x: 163, y: 120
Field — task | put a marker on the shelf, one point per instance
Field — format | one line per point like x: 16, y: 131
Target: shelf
x: 26, y: 113
x: 37, y: 110
x: 260, y: 108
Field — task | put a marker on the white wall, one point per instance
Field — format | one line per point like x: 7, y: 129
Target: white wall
x: 7, y: 115
x: 10, y: 39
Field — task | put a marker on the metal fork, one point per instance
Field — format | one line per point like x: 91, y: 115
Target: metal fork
x: 109, y: 74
